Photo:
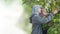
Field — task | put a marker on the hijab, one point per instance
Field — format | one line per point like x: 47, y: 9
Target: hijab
x: 35, y: 9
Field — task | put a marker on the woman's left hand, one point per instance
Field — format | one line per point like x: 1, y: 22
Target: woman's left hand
x: 55, y: 11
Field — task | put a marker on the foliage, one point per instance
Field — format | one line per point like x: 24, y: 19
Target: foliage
x: 50, y: 5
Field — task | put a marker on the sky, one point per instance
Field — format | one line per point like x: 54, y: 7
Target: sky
x: 9, y: 16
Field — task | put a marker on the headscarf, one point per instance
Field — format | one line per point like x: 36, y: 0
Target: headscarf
x: 35, y: 9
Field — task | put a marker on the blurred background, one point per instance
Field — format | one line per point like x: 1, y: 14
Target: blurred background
x: 14, y: 16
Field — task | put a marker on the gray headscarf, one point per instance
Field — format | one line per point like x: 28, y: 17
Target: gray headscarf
x: 35, y: 9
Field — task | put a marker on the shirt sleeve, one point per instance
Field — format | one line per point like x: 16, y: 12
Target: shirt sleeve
x: 44, y: 20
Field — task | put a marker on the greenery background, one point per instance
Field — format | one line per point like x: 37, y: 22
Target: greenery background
x: 47, y: 4
x: 50, y: 5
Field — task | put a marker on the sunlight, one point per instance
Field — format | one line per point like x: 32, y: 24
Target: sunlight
x: 9, y: 16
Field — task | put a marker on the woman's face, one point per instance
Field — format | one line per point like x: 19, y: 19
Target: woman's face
x: 44, y: 11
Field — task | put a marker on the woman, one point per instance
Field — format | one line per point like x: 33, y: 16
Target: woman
x: 37, y: 20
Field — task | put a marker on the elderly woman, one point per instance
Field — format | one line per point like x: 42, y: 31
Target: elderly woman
x: 37, y: 19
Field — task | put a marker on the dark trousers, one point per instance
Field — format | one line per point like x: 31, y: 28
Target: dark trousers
x: 45, y: 31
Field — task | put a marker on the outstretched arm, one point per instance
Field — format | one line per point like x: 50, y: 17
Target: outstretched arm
x: 43, y: 20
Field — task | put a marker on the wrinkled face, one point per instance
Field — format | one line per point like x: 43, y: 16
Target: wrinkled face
x: 43, y: 11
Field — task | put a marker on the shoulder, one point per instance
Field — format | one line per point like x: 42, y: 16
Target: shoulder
x: 36, y: 16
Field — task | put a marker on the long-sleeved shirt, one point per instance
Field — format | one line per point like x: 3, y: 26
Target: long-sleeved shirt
x: 37, y: 20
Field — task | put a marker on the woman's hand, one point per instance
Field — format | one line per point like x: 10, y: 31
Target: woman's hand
x: 55, y: 11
